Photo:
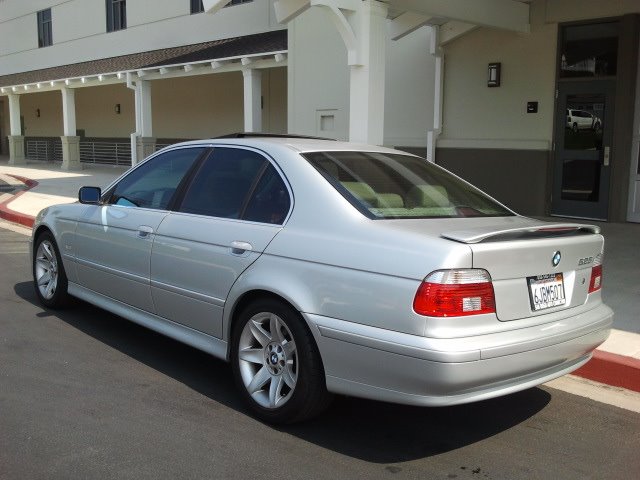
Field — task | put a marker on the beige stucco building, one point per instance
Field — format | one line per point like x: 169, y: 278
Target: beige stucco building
x: 534, y: 101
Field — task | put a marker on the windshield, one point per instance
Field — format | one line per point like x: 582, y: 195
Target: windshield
x: 401, y: 186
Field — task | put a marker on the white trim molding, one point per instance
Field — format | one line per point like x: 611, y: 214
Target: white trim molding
x: 494, y: 143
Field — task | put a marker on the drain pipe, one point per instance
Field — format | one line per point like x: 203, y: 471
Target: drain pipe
x: 135, y: 135
x: 432, y: 135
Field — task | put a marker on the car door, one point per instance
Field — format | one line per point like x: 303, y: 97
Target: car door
x: 233, y: 208
x: 113, y: 239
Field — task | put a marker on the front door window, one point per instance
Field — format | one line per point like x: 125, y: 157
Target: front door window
x: 153, y: 184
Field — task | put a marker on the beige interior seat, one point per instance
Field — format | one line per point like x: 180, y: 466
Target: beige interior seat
x: 428, y: 196
x: 390, y: 200
x: 363, y: 192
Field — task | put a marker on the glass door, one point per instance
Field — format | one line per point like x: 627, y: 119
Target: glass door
x: 633, y: 211
x: 583, y: 154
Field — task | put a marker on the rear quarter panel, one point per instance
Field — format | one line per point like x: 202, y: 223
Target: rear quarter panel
x: 357, y: 296
x: 369, y: 277
x: 330, y: 260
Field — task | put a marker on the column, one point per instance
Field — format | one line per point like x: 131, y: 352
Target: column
x: 70, y: 141
x: 16, y: 140
x: 433, y: 135
x: 252, y: 100
x: 367, y: 77
x: 144, y: 114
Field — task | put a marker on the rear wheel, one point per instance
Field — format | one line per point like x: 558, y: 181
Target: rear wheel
x: 276, y: 363
x: 50, y: 279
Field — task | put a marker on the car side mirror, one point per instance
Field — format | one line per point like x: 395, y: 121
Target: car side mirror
x: 90, y: 195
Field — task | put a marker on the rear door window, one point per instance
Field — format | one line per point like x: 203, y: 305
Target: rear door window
x: 269, y: 201
x: 240, y: 184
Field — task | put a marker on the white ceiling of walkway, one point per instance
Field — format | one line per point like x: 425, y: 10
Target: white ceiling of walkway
x: 503, y: 14
x: 410, y: 14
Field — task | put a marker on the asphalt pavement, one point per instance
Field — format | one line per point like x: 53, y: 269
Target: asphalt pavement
x: 86, y: 394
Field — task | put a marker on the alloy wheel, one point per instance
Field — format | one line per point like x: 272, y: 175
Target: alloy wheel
x: 268, y: 360
x: 46, y: 269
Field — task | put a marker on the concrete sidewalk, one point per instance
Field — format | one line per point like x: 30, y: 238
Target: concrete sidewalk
x: 40, y: 184
x: 24, y: 191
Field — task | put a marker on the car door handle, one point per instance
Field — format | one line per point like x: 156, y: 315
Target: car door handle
x: 607, y: 156
x: 144, y: 231
x: 239, y: 248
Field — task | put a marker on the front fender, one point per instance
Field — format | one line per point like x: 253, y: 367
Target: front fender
x: 61, y: 220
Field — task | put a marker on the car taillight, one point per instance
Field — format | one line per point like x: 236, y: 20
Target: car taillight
x: 455, y: 293
x: 596, y: 275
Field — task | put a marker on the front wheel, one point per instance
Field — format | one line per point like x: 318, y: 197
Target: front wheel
x: 49, y: 277
x: 276, y: 363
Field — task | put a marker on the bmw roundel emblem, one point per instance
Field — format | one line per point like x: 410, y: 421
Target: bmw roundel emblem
x: 555, y: 260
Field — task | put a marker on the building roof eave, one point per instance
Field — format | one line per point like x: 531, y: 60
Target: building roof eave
x: 112, y: 70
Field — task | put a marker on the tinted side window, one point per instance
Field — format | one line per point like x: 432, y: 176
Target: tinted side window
x: 153, y: 184
x: 223, y: 183
x: 270, y: 200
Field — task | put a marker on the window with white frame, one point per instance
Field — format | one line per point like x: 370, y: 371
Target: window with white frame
x: 196, y: 6
x: 45, y: 37
x: 116, y: 15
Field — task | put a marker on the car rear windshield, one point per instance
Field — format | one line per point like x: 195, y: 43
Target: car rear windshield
x: 401, y: 186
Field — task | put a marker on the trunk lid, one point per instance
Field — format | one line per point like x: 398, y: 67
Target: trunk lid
x: 536, y: 267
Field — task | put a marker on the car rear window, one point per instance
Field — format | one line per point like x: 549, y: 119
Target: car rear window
x: 402, y: 186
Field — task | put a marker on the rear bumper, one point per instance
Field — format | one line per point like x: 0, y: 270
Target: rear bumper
x: 391, y: 366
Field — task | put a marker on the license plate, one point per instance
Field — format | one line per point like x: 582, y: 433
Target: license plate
x: 546, y: 291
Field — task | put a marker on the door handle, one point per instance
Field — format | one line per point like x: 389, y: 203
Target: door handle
x: 239, y: 248
x: 144, y: 231
x: 607, y: 156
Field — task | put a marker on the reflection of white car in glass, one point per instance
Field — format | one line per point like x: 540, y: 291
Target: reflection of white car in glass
x: 582, y: 120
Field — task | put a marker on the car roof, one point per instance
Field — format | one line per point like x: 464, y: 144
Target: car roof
x: 298, y: 143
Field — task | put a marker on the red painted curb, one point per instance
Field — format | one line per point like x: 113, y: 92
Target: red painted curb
x: 612, y: 369
x: 27, y: 181
x: 16, y: 217
x: 11, y: 215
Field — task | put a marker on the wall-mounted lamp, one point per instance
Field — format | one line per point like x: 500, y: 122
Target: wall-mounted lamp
x: 117, y: 109
x: 494, y: 74
x: 38, y: 112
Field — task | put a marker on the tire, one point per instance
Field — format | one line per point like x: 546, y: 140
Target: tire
x: 49, y: 277
x: 575, y: 128
x: 280, y: 376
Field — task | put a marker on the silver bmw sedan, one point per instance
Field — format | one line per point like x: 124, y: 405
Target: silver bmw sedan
x: 318, y: 267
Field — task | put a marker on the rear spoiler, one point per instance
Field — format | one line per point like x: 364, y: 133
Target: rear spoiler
x: 549, y: 230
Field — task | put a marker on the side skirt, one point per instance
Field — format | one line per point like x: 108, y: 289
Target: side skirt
x: 214, y: 346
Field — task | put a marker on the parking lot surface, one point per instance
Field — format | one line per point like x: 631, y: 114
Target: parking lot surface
x: 86, y: 394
